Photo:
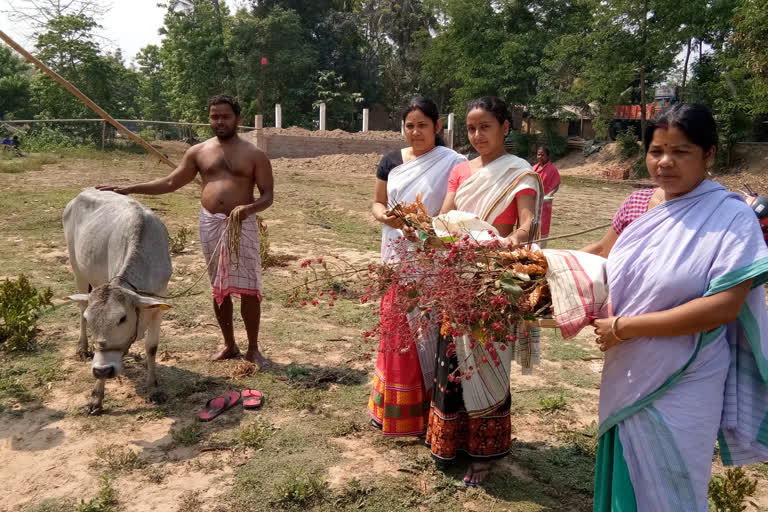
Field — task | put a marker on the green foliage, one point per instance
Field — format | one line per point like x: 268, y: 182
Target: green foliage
x: 639, y: 170
x: 538, y: 55
x: 280, y: 37
x: 553, y: 403
x: 255, y: 434
x: 105, y: 500
x: 178, y: 242
x: 728, y: 494
x: 188, y: 435
x: 195, y: 54
x: 298, y: 490
x: 15, y: 85
x: 116, y: 458
x: 20, y: 307
x: 523, y: 143
x: 627, y: 142
x: 46, y: 139
x: 148, y: 134
x: 341, y: 103
x: 67, y: 44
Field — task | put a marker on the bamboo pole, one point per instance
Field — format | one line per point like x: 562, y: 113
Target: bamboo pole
x: 82, y: 97
x: 98, y: 119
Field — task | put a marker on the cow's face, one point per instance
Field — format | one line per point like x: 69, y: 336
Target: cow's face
x: 116, y: 318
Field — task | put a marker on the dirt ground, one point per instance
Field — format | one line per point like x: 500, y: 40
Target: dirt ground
x: 750, y: 166
x: 310, y: 446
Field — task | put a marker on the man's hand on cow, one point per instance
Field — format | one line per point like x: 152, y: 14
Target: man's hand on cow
x: 113, y: 188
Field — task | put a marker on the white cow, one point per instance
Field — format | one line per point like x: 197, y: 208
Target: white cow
x: 119, y: 254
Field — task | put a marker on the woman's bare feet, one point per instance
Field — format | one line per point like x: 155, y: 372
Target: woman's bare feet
x: 228, y: 352
x: 477, y: 473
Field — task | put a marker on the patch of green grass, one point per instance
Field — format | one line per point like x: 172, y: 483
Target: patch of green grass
x: 559, y: 350
x: 586, y: 439
x: 761, y: 468
x: 348, y: 313
x: 105, y: 500
x: 295, y: 371
x: 304, y: 399
x: 256, y: 434
x: 538, y: 399
x: 115, y: 459
x: 579, y: 377
x: 15, y: 164
x: 553, y: 403
x: 188, y: 435
x: 299, y: 490
x: 566, y: 469
x: 351, y: 230
x: 346, y: 428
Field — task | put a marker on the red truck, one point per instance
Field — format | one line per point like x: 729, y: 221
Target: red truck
x: 628, y: 116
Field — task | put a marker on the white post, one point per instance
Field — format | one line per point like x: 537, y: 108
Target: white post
x: 449, y: 133
x: 259, y: 122
x: 402, y: 127
x: 322, y: 117
x: 278, y: 116
x: 365, y: 119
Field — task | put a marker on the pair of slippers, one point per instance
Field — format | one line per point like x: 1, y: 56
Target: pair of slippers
x: 252, y: 399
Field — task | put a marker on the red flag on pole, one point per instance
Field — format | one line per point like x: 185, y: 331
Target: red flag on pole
x: 263, y: 61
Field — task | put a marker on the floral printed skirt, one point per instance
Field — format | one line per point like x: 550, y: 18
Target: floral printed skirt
x: 451, y: 430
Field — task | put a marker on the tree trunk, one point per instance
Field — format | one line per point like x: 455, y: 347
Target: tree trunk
x: 643, y: 113
x: 685, y: 71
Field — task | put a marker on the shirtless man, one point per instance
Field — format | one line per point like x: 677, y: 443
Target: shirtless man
x: 230, y: 168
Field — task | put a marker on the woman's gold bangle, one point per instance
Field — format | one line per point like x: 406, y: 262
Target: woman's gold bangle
x: 613, y: 328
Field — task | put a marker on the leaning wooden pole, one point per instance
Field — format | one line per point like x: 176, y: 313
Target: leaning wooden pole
x: 82, y: 97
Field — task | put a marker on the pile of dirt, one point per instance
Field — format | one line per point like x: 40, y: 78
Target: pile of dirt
x: 607, y: 163
x: 750, y: 166
x: 295, y: 131
x: 331, y: 164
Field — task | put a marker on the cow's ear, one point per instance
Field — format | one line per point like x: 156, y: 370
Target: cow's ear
x: 152, y: 303
x: 80, y: 298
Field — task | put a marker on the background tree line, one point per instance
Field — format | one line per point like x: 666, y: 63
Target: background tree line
x: 358, y: 53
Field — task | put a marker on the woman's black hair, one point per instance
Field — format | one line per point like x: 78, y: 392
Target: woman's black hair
x: 545, y: 149
x: 494, y: 105
x: 427, y: 107
x: 693, y: 119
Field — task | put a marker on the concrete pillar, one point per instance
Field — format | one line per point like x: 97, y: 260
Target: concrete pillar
x: 278, y: 116
x: 259, y: 122
x: 365, y: 119
x: 322, y: 117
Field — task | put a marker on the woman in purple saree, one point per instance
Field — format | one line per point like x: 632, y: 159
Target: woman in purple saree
x: 686, y: 352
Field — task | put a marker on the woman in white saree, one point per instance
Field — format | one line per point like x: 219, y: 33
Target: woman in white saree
x: 473, y: 416
x: 399, y: 401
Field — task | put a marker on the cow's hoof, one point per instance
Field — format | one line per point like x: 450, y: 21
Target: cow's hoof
x: 158, y: 397
x: 95, y: 410
x: 83, y: 355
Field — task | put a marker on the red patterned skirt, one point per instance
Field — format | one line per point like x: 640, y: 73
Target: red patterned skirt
x: 451, y: 430
x: 399, y: 403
